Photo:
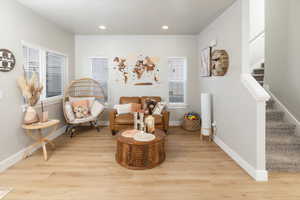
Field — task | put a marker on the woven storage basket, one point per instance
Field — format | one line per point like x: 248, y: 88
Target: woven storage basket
x: 191, y: 125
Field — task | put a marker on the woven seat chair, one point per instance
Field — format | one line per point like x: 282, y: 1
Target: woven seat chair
x: 85, y: 88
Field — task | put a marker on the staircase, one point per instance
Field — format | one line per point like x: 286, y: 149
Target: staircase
x: 259, y: 74
x: 282, y: 145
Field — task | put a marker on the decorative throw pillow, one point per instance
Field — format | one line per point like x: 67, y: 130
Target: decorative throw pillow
x: 159, y: 108
x: 89, y: 99
x: 81, y: 108
x: 97, y: 108
x: 81, y: 112
x: 69, y: 112
x: 135, y: 107
x: 123, y: 108
x: 149, y: 105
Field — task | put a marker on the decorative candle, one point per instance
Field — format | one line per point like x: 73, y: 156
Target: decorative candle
x: 135, y: 115
x: 150, y: 124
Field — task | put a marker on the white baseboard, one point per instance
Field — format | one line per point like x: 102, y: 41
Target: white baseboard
x: 258, y: 175
x: 12, y: 160
x: 289, y: 117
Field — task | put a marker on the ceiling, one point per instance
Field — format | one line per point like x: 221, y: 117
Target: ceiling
x: 129, y: 16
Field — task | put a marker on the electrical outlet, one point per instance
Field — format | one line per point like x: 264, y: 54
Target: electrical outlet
x: 214, y: 124
x: 214, y: 127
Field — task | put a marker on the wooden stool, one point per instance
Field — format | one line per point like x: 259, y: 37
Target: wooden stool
x: 40, y: 140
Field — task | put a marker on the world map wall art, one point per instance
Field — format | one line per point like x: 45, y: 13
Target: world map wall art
x: 136, y: 70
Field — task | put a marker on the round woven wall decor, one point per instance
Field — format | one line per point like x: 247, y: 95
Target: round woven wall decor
x: 7, y: 60
x: 220, y: 62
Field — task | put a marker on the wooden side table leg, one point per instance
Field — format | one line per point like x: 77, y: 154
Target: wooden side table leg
x: 44, y: 145
x: 50, y: 142
x: 45, y: 151
x: 51, y: 133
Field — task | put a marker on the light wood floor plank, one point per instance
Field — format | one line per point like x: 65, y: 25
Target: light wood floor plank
x: 83, y: 168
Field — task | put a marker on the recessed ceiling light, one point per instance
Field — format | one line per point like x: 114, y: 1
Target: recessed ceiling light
x: 165, y: 27
x: 102, y: 27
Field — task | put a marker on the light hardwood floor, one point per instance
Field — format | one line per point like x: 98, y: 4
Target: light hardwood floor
x: 84, y: 168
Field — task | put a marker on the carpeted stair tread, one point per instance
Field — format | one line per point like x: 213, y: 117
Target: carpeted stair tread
x: 274, y: 115
x: 259, y: 71
x: 285, y: 157
x: 282, y: 139
x: 279, y: 125
x: 282, y: 148
x: 283, y: 168
x: 258, y: 77
x: 283, y: 161
x: 270, y: 104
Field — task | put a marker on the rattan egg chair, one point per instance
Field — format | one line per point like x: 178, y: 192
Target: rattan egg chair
x: 85, y: 88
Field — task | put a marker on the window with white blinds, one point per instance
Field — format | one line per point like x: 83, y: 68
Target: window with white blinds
x: 100, y: 73
x: 177, y: 80
x: 55, y: 65
x: 32, y: 61
x: 50, y: 68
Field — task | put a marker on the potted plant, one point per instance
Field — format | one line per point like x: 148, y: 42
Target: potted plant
x: 31, y: 90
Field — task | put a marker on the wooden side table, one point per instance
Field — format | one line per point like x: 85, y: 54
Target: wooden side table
x: 32, y: 129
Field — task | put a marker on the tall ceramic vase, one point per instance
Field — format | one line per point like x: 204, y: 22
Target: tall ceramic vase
x: 30, y: 116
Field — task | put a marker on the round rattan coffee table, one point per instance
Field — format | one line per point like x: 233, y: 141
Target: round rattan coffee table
x: 138, y: 155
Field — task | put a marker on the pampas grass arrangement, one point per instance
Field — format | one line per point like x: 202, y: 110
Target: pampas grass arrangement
x: 31, y: 89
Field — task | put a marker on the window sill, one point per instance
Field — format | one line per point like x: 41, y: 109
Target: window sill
x: 46, y: 102
x: 49, y: 101
x: 177, y: 106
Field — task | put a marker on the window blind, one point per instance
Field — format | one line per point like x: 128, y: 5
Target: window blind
x: 32, y: 61
x: 100, y: 73
x: 55, y: 65
x: 177, y: 80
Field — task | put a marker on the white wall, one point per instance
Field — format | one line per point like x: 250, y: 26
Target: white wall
x: 257, y: 27
x: 282, y: 49
x: 234, y: 109
x: 159, y: 46
x: 257, y: 17
x: 19, y: 23
x: 257, y: 52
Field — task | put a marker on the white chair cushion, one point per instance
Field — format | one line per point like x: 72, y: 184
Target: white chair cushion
x: 97, y: 109
x: 69, y: 111
x: 84, y: 120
